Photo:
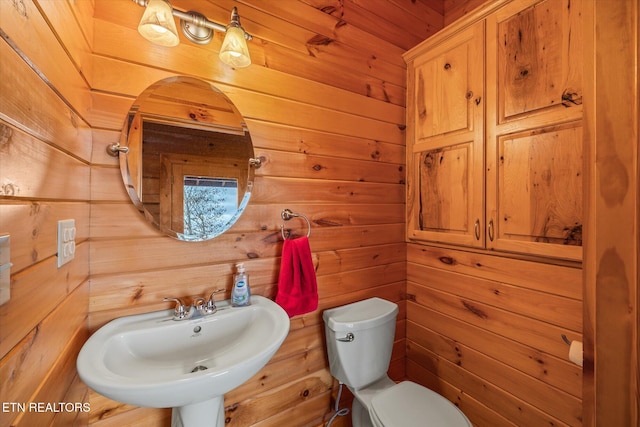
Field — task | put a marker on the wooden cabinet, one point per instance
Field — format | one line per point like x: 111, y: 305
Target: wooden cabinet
x: 494, y: 150
x: 445, y: 162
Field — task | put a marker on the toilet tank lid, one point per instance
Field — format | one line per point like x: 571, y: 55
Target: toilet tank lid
x: 360, y: 315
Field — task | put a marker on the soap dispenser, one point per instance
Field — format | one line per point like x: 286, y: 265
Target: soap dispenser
x: 241, y: 293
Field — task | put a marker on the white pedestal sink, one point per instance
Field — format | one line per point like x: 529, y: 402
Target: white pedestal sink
x: 154, y: 361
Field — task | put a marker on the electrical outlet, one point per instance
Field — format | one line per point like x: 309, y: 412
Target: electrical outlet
x: 5, y: 269
x: 66, y: 241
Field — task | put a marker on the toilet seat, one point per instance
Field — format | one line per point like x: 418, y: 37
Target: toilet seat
x: 408, y: 404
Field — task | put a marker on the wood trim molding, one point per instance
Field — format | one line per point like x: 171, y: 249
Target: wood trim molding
x: 610, y: 376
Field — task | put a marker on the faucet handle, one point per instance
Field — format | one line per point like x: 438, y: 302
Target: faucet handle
x: 210, y: 306
x: 179, y: 312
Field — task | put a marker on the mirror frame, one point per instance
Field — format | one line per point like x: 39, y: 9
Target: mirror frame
x: 160, y: 104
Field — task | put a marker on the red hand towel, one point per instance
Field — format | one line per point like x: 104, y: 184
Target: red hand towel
x: 297, y: 285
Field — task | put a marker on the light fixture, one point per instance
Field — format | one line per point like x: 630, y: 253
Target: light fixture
x: 234, y: 50
x: 157, y: 26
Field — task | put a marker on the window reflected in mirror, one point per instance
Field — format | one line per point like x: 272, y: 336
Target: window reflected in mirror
x: 209, y: 203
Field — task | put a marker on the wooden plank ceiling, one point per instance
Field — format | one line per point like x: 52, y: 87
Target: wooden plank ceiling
x: 403, y: 23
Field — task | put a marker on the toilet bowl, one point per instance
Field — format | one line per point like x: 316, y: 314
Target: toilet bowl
x: 359, y: 343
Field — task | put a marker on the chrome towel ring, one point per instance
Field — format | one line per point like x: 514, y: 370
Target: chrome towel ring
x: 286, y: 215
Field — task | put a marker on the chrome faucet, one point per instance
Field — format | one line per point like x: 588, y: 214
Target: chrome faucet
x: 198, y: 305
x: 210, y: 306
x: 179, y: 312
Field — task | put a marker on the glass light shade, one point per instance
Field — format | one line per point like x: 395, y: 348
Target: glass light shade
x: 234, y: 50
x: 157, y: 24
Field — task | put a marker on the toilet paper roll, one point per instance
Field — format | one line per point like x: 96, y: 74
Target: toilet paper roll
x: 575, y: 352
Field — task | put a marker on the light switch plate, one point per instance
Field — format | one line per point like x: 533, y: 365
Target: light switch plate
x: 5, y: 269
x: 66, y: 241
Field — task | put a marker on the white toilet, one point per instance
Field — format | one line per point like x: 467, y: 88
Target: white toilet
x: 359, y: 343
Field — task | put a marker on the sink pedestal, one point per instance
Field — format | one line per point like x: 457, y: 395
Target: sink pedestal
x: 209, y: 413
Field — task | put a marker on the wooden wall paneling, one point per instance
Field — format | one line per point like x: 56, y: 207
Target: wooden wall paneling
x: 301, y: 412
x: 318, y: 22
x: 44, y: 278
x: 109, y: 77
x: 77, y: 392
x: 45, y: 151
x: 503, y: 405
x: 108, y: 111
x: 292, y: 165
x: 482, y: 314
x: 520, y: 272
x: 612, y: 132
x: 552, y: 370
x: 499, y: 371
x: 255, y: 217
x: 532, y: 332
x: 287, y: 191
x: 25, y: 366
x: 57, y: 383
x: 517, y: 409
x: 140, y: 417
x: 558, y: 310
x: 473, y: 409
x: 279, y: 110
x: 29, y: 31
x: 23, y: 151
x: 265, y: 405
x: 103, y: 408
x: 34, y: 225
x: 83, y: 13
x: 286, y: 138
x: 280, y: 372
x: 296, y: 24
x: 76, y: 39
x: 100, y: 139
x: 29, y: 105
x: 144, y: 290
x: 136, y: 254
x: 283, y: 59
x: 108, y: 187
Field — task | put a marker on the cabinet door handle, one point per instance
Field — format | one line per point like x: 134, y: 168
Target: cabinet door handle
x: 476, y: 229
x: 490, y: 230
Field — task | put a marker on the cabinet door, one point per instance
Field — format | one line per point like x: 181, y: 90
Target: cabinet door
x: 534, y: 137
x: 445, y: 155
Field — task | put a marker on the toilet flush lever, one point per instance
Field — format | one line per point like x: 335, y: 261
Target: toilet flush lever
x: 350, y: 337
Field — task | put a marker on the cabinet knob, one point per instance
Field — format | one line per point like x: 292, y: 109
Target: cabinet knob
x: 476, y: 229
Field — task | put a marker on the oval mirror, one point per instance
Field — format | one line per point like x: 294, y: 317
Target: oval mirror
x: 186, y: 158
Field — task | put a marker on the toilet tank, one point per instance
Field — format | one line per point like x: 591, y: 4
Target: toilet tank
x: 359, y: 340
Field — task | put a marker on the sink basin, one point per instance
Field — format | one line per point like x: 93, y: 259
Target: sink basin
x: 154, y: 361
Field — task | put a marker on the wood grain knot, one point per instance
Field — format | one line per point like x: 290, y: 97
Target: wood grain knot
x: 447, y: 260
x: 475, y: 310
